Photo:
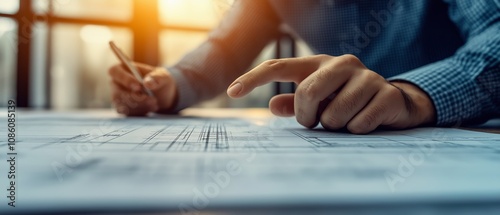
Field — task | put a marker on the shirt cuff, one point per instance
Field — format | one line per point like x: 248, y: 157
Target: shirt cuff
x: 452, y: 91
x: 187, y: 96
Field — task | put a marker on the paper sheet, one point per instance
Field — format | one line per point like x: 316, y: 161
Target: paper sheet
x: 71, y: 162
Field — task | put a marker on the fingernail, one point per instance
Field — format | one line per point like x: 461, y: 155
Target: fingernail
x: 235, y: 89
x: 148, y: 80
x: 150, y: 83
x: 136, y: 87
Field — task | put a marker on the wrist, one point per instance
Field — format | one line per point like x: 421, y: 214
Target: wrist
x: 424, y: 112
x: 169, y: 95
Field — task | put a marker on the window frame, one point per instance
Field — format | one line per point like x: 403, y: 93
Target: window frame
x: 145, y: 39
x: 145, y: 48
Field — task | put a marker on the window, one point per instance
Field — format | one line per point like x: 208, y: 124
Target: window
x: 55, y: 52
x: 8, y: 41
x: 79, y: 65
x: 94, y: 9
x: 9, y: 6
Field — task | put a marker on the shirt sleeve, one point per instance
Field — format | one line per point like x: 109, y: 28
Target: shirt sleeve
x: 465, y: 88
x: 226, y: 54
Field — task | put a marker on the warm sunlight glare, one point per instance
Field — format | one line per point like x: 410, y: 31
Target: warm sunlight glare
x: 96, y: 34
x: 6, y: 25
x: 199, y: 13
x: 9, y: 6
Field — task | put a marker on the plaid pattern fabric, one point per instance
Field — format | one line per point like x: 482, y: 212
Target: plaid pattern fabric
x: 449, y: 48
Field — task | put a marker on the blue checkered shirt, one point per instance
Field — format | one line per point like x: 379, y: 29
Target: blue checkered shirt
x: 448, y: 48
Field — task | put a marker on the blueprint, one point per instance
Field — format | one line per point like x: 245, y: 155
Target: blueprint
x: 79, y: 160
x: 190, y: 134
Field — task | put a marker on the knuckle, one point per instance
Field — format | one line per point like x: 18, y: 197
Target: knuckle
x: 307, y: 91
x: 371, y: 76
x: 348, y: 101
x: 274, y: 64
x: 357, y: 128
x: 372, y: 114
x: 324, y: 73
x: 331, y: 121
x: 323, y: 57
x: 349, y: 58
x: 392, y: 93
x: 369, y: 119
x: 302, y: 118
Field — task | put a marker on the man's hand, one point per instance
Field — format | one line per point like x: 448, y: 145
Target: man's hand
x: 129, y: 97
x: 340, y: 92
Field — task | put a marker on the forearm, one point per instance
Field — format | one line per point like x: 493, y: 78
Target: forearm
x: 464, y: 88
x: 228, y: 52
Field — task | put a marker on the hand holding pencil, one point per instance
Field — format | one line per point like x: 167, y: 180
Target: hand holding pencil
x: 147, y: 89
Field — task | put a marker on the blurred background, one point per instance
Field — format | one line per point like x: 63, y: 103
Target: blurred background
x: 54, y: 53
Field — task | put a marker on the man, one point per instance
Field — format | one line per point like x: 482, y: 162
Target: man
x: 390, y: 63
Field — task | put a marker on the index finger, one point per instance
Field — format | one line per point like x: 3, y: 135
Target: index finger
x: 120, y: 75
x: 280, y: 70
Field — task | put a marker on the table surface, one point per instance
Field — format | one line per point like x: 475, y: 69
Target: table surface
x: 477, y: 176
x: 237, y: 112
x: 264, y: 112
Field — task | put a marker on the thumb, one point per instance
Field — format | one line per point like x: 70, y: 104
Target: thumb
x: 282, y: 105
x: 157, y: 79
x: 143, y: 69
